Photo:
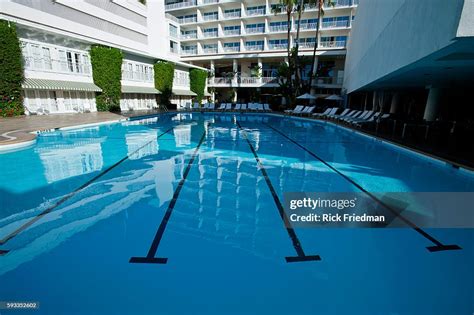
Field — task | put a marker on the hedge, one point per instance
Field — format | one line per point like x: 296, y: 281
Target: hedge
x: 11, y: 71
x: 198, y: 82
x: 107, y: 73
x: 164, y: 74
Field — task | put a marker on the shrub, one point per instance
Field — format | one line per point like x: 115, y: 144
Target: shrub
x: 11, y: 71
x: 107, y: 73
x: 164, y: 74
x: 198, y: 82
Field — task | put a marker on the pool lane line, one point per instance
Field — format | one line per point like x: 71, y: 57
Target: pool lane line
x: 438, y: 245
x: 301, y: 256
x: 150, y: 257
x: 71, y: 194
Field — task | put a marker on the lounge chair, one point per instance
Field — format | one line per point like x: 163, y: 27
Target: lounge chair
x: 326, y: 112
x: 365, y: 115
x: 237, y: 106
x: 357, y: 114
x: 344, y: 112
x: 309, y: 110
x: 196, y: 106
x: 211, y: 106
x: 243, y: 107
x: 221, y: 106
x: 376, y: 117
x: 228, y: 106
x: 267, y: 108
x: 296, y: 110
x: 260, y: 107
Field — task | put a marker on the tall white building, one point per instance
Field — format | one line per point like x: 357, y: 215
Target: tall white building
x: 242, y: 42
x: 419, y: 52
x: 56, y: 36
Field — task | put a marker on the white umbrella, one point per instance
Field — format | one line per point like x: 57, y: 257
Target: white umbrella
x: 334, y: 97
x: 306, y: 96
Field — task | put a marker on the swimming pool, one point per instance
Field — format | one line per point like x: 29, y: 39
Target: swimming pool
x: 179, y: 214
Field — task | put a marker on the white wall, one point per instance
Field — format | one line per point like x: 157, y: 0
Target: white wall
x: 388, y: 35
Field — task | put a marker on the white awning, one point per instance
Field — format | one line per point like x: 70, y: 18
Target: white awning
x: 139, y: 89
x: 43, y: 84
x: 184, y: 92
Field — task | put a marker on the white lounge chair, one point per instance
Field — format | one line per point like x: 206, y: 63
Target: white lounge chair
x: 260, y: 107
x: 228, y: 106
x: 211, y: 106
x: 308, y: 110
x: 296, y: 110
x: 237, y: 106
x: 266, y: 107
x: 196, y: 106
x: 243, y: 107
x: 326, y: 112
x: 344, y: 113
x: 222, y: 106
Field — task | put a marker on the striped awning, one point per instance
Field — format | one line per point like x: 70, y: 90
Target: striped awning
x: 43, y: 84
x: 139, y: 89
x: 184, y: 92
x: 206, y: 93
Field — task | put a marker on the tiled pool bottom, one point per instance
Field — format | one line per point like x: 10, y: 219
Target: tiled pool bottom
x: 78, y: 206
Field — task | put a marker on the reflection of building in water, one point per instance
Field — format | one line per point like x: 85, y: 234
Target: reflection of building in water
x: 141, y: 144
x: 67, y: 160
x: 182, y: 135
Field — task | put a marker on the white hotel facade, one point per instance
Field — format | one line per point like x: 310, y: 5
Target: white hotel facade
x: 242, y: 42
x: 56, y: 36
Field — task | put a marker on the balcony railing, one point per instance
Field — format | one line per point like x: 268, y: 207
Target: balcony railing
x: 335, y: 24
x: 307, y: 45
x: 209, y: 1
x: 255, y: 12
x: 171, y: 17
x: 277, y: 46
x: 242, y: 80
x: 267, y: 80
x: 253, y: 47
x: 137, y: 76
x: 178, y: 5
x: 53, y: 65
x: 181, y: 81
x: 338, y: 3
x: 333, y: 44
x: 210, y: 34
x: 217, y: 80
x: 188, y: 52
x: 212, y: 50
x: 278, y: 28
x: 231, y: 15
x: 308, y: 26
x: 255, y: 30
x: 232, y: 32
x: 232, y: 49
x: 213, y: 17
x: 188, y: 20
x: 189, y: 36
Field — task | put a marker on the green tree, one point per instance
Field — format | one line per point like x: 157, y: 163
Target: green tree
x: 197, y: 78
x: 164, y: 75
x: 11, y: 71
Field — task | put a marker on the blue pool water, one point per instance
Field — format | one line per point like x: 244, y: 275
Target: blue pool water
x: 78, y: 205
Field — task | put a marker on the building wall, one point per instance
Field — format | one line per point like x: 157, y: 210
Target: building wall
x: 389, y: 35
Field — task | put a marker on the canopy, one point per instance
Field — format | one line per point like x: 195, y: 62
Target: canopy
x: 306, y: 96
x: 184, y: 92
x: 43, y: 84
x: 139, y: 89
x: 334, y: 97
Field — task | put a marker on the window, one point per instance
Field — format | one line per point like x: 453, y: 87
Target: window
x: 232, y: 30
x: 235, y: 46
x: 210, y: 16
x: 173, y: 31
x: 255, y: 28
x: 173, y: 47
x: 210, y: 32
x: 254, y: 45
x: 209, y: 48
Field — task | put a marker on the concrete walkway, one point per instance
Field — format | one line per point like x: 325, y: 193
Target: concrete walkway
x: 14, y: 130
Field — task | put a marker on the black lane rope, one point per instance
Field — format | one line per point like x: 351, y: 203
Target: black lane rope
x: 71, y: 194
x: 438, y: 245
x: 301, y: 256
x: 150, y: 257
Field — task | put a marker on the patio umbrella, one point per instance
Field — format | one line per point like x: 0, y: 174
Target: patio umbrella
x: 334, y: 97
x: 306, y: 96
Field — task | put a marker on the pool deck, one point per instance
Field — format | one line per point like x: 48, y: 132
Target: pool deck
x: 18, y: 130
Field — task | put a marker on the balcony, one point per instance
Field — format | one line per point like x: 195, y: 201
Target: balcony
x: 174, y: 50
x: 333, y: 44
x: 255, y: 12
x: 137, y: 76
x: 232, y: 32
x: 212, y: 50
x: 189, y: 36
x: 232, y: 15
x: 254, y: 47
x: 181, y: 82
x: 336, y: 24
x: 232, y: 49
x: 209, y: 1
x: 210, y: 34
x: 278, y: 28
x: 213, y: 17
x: 338, y: 3
x: 188, y: 52
x: 307, y: 45
x: 53, y: 65
x: 255, y: 30
x: 188, y: 20
x: 308, y: 26
x: 277, y: 46
x: 242, y: 81
x: 179, y: 5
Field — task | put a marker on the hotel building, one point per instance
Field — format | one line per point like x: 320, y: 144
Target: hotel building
x: 242, y: 42
x: 56, y: 36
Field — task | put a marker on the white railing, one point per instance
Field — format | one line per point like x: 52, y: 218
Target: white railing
x: 278, y: 28
x: 218, y: 80
x: 277, y: 46
x: 188, y: 20
x: 310, y: 7
x: 337, y: 3
x: 253, y: 47
x: 174, y: 34
x: 180, y: 5
x: 307, y: 45
x: 53, y: 65
x: 332, y: 44
x: 308, y: 26
x: 172, y: 17
x: 231, y: 15
x: 255, y: 30
x: 255, y: 12
x: 210, y: 34
x: 213, y: 17
x: 232, y: 32
x: 209, y: 1
x: 189, y: 35
x: 335, y: 24
x: 181, y: 81
x: 189, y: 51
x: 210, y: 50
x: 232, y: 49
x: 242, y: 80
x: 266, y: 80
x: 137, y: 76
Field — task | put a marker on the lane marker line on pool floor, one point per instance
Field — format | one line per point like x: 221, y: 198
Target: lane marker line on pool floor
x: 71, y: 194
x: 150, y: 257
x: 301, y: 256
x: 438, y: 245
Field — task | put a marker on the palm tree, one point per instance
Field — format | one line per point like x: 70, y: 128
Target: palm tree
x: 299, y: 9
x: 320, y: 4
